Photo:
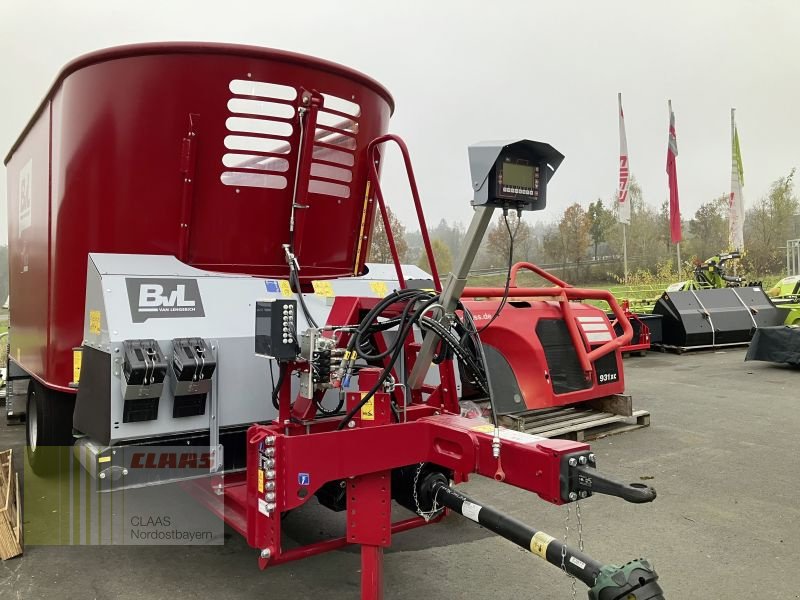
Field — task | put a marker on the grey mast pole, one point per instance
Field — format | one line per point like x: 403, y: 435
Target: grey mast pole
x: 453, y: 287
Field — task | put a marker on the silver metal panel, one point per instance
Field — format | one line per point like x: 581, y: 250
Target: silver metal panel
x: 220, y: 309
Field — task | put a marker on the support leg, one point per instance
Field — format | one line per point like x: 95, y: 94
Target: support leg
x: 371, y: 572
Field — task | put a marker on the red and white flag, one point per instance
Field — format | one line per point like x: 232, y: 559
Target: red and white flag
x: 623, y: 203
x: 672, y: 174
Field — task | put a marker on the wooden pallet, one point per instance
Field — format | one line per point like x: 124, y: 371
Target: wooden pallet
x: 10, y: 513
x: 580, y: 422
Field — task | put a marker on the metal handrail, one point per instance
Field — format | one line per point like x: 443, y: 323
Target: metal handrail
x: 373, y: 156
x: 539, y: 271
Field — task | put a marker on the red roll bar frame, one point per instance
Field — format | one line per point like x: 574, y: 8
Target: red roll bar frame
x: 564, y: 293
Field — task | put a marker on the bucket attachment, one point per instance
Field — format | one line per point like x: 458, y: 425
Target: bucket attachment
x: 714, y: 317
x: 776, y: 344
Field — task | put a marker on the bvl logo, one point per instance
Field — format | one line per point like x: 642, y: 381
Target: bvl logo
x: 163, y: 298
x: 152, y: 297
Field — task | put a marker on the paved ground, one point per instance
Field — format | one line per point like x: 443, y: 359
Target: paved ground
x: 722, y: 451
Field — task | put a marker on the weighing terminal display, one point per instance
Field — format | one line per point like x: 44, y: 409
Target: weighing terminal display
x: 519, y: 178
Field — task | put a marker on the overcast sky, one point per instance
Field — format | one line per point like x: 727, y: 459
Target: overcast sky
x: 466, y: 71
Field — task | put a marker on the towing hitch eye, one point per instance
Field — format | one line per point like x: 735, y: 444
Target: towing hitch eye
x: 635, y: 580
x: 589, y: 480
x: 580, y: 479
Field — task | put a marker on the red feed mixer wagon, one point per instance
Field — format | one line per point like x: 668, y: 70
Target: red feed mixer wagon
x: 188, y: 220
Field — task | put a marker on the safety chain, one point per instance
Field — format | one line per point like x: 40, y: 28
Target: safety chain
x: 434, y: 511
x: 564, y: 553
x: 566, y: 539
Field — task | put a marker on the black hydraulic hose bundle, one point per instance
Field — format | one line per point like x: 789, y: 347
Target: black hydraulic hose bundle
x: 394, y: 349
x: 369, y: 325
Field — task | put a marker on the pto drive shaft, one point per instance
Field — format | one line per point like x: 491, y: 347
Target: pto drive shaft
x: 635, y: 580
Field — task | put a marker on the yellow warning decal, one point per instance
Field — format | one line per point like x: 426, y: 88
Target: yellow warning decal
x: 77, y: 356
x: 379, y: 288
x: 286, y: 289
x: 489, y: 428
x: 539, y: 543
x: 323, y: 288
x: 260, y: 481
x: 103, y: 459
x: 95, y: 316
x: 368, y: 410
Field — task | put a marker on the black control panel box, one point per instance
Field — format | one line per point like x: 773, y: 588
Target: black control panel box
x: 512, y: 174
x: 276, y: 329
x: 143, y: 364
x: 192, y: 359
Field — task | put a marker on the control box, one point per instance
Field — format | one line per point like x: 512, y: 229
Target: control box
x: 276, y: 329
x: 144, y: 369
x: 193, y: 366
x: 512, y: 174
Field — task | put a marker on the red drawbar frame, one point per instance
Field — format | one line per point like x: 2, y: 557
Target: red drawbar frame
x: 291, y: 458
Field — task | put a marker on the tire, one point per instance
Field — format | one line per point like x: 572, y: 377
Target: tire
x: 48, y: 427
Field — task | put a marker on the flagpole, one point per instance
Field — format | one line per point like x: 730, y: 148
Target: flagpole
x: 623, y: 203
x: 678, y: 246
x: 731, y: 206
x: 625, y: 252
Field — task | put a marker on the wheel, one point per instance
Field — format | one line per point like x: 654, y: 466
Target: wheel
x: 49, y: 427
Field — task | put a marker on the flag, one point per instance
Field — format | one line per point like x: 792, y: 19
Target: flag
x: 623, y: 204
x: 672, y: 174
x: 736, y: 201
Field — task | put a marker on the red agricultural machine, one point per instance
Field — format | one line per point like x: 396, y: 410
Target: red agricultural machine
x: 189, y: 226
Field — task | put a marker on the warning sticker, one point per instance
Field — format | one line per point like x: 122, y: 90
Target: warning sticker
x: 95, y: 316
x: 368, y: 410
x: 509, y: 434
x: 577, y: 562
x: 77, y: 359
x: 470, y: 510
x: 323, y: 288
x: 539, y: 543
x: 380, y: 288
x: 286, y: 289
x: 260, y: 481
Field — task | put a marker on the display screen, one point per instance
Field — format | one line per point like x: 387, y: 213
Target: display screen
x: 516, y: 175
